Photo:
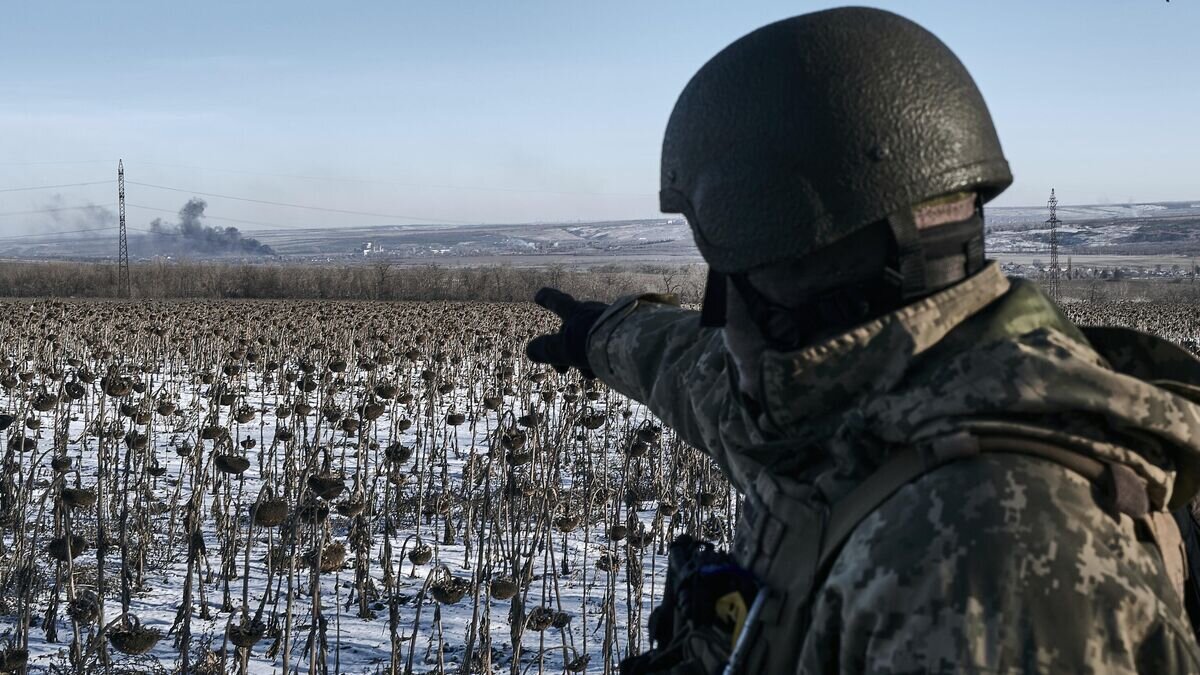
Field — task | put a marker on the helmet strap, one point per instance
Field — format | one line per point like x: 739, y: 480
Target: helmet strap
x: 914, y: 272
x: 712, y: 311
x: 907, y: 271
x: 935, y: 257
x: 973, y: 249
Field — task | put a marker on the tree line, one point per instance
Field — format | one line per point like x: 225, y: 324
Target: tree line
x: 382, y: 281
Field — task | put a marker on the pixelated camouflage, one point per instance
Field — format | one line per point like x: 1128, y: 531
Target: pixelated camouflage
x: 1000, y: 563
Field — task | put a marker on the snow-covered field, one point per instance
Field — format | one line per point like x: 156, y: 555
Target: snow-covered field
x: 455, y: 475
x: 479, y: 514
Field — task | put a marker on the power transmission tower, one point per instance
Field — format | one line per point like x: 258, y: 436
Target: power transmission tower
x: 1052, y: 221
x: 123, y: 286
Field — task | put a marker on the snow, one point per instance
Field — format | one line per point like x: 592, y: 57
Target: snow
x: 358, y: 645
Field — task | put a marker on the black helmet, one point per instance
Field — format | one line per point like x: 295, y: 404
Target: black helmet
x: 815, y: 127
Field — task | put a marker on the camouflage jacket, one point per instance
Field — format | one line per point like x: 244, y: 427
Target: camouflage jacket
x: 1003, y: 563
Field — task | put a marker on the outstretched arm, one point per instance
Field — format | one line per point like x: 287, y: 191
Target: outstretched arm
x: 654, y: 352
x: 651, y: 350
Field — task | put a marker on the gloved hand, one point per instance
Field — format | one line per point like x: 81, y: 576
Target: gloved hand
x: 568, y: 347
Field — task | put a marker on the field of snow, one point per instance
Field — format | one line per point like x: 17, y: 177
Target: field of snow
x: 478, y: 514
x: 340, y: 487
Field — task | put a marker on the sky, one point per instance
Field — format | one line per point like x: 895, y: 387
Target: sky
x: 393, y: 112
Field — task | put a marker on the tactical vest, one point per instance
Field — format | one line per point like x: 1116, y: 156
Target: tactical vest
x: 789, y: 534
x: 789, y: 538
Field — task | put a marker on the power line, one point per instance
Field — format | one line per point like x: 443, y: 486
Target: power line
x: 13, y: 237
x: 57, y: 209
x: 37, y: 238
x: 160, y: 233
x: 40, y: 238
x: 439, y: 186
x: 208, y: 217
x: 303, y: 206
x: 70, y: 161
x: 225, y: 219
x: 48, y: 187
x: 137, y: 206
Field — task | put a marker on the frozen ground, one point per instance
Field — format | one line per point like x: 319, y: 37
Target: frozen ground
x: 487, y: 515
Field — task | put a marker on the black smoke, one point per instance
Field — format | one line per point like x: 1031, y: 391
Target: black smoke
x: 190, y: 236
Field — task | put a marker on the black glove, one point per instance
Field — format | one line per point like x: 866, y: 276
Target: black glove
x: 568, y: 347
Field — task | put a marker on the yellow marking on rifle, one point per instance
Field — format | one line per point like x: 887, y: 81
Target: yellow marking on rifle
x: 732, y: 608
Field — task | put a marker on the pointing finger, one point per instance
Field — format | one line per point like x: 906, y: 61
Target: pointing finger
x: 556, y: 301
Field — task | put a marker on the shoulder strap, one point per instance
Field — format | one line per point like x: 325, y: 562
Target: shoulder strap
x: 1124, y: 491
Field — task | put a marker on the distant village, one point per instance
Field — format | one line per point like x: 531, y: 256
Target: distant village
x: 1039, y: 270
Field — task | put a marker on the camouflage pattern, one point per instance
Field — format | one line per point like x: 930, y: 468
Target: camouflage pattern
x: 1002, y: 563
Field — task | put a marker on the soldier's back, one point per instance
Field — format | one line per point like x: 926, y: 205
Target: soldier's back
x: 996, y: 564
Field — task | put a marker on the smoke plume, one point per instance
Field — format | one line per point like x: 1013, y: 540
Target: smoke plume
x: 71, y: 219
x: 189, y: 235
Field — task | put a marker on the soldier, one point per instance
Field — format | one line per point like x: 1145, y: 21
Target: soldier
x: 941, y: 472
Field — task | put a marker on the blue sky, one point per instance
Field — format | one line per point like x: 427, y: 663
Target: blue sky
x: 521, y: 111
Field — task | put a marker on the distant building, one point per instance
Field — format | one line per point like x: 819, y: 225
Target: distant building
x: 369, y: 248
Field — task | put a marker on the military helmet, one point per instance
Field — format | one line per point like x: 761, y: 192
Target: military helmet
x: 814, y: 127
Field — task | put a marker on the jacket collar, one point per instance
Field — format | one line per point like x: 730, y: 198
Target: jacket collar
x: 803, y: 386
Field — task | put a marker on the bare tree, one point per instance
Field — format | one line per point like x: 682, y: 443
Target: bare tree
x: 381, y: 268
